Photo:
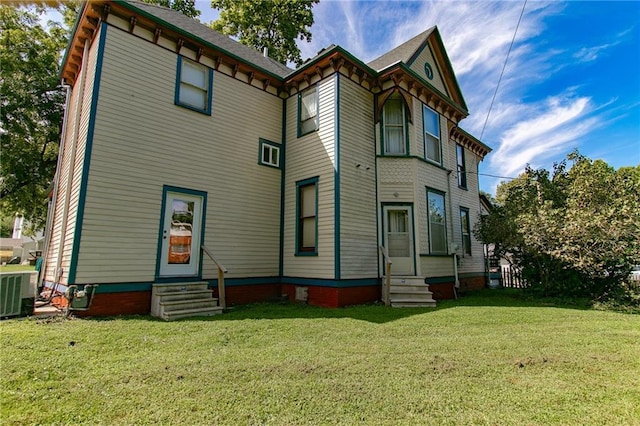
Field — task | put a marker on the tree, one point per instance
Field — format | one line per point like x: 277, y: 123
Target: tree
x: 274, y: 24
x: 32, y: 105
x: 573, y: 232
x: 187, y: 7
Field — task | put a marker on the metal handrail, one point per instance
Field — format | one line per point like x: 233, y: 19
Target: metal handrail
x: 387, y: 269
x: 221, y: 271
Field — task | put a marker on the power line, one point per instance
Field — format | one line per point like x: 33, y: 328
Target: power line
x: 503, y: 68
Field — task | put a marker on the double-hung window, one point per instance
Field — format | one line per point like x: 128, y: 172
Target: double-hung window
x: 462, y: 169
x: 437, y: 222
x: 308, y: 111
x: 466, y: 230
x: 432, y: 148
x: 307, y: 217
x: 193, y: 86
x: 393, y: 123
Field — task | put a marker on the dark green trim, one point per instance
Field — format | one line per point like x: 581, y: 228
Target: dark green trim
x: 176, y: 99
x: 237, y: 282
x: 466, y: 210
x: 321, y: 282
x: 316, y: 88
x: 283, y: 162
x: 434, y: 255
x: 194, y: 37
x: 336, y: 182
x: 82, y: 197
x: 446, y: 236
x: 261, y: 143
x: 450, y: 279
x: 314, y: 180
x: 179, y: 190
x: 375, y: 161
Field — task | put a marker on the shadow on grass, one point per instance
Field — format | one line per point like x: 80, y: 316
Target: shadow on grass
x: 376, y: 312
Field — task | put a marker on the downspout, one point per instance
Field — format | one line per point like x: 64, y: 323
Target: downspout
x: 452, y: 245
x: 72, y: 161
x: 52, y: 207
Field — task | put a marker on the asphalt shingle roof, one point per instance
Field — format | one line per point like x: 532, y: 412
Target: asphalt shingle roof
x: 402, y: 53
x: 177, y: 19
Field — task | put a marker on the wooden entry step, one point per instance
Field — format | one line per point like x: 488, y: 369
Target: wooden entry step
x: 409, y: 292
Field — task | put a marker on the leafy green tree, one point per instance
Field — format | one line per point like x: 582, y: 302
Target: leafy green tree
x: 187, y: 7
x: 32, y: 105
x: 274, y: 24
x: 573, y: 232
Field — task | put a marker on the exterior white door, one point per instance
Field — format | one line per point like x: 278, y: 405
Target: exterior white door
x: 181, y: 230
x: 398, y: 233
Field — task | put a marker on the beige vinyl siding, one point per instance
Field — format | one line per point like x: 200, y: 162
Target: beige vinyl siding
x: 309, y: 156
x: 418, y: 67
x: 358, y: 239
x: 143, y: 141
x: 77, y: 130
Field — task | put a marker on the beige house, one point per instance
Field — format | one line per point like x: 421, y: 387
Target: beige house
x: 178, y: 141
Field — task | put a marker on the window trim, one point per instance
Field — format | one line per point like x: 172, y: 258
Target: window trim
x: 465, y: 210
x: 405, y: 130
x: 446, y: 240
x: 209, y: 82
x: 272, y: 146
x: 424, y: 135
x: 299, y: 250
x: 461, y: 166
x: 301, y: 94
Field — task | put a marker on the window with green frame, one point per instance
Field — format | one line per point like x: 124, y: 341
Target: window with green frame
x: 461, y: 167
x: 308, y: 111
x: 307, y: 217
x: 393, y: 123
x: 432, y: 145
x: 193, y: 86
x: 465, y: 227
x: 437, y: 222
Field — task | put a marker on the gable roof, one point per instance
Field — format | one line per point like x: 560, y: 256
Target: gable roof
x: 402, y: 53
x: 408, y: 51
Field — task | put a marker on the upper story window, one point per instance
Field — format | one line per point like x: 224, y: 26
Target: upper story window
x: 393, y: 134
x: 193, y: 86
x: 437, y: 222
x: 432, y: 147
x: 306, y: 217
x: 461, y: 167
x: 465, y: 227
x: 308, y: 111
x: 269, y: 153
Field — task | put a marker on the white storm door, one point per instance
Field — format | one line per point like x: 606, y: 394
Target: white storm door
x: 398, y: 233
x: 180, y: 251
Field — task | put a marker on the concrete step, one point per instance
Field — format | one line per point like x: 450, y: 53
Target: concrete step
x: 409, y: 291
x: 178, y: 305
x: 400, y: 304
x: 162, y: 288
x: 188, y: 313
x: 185, y: 295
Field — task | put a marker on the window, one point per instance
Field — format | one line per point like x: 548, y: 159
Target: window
x: 269, y: 153
x: 431, y: 135
x: 393, y: 127
x: 462, y: 170
x: 437, y: 222
x: 193, y: 86
x: 466, y: 230
x: 306, y: 212
x: 308, y: 111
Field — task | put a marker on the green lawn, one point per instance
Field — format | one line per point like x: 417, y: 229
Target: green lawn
x: 485, y: 359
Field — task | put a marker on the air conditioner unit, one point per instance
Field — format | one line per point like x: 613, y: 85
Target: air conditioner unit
x: 14, y: 288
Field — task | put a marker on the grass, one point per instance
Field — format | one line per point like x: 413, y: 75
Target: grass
x: 488, y: 358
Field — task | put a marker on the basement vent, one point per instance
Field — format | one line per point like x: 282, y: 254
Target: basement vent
x: 302, y: 294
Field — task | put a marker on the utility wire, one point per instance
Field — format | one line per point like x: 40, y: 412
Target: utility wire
x: 503, y: 68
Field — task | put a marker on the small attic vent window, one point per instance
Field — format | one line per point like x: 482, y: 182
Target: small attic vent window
x: 428, y: 70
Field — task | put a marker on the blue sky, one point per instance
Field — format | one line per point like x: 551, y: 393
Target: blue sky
x: 572, y: 79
